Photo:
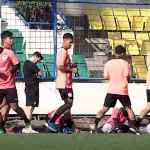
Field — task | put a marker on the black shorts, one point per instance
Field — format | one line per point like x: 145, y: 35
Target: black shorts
x: 32, y: 96
x: 66, y: 93
x: 9, y: 94
x: 148, y: 95
x: 111, y: 99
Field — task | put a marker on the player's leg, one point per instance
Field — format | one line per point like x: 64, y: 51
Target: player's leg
x: 32, y: 101
x: 5, y: 110
x: 2, y: 123
x: 67, y: 97
x: 125, y: 101
x: 110, y: 101
x: 12, y: 100
x: 146, y: 110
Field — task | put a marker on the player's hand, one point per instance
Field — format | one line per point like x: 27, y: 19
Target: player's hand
x: 74, y: 70
x: 40, y: 73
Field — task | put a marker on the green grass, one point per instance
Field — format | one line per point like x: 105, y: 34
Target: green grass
x: 74, y: 142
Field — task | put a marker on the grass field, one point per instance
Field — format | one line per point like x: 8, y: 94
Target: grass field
x: 74, y: 142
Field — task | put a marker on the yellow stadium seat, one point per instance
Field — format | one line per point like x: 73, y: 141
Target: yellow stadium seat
x: 140, y: 36
x: 95, y: 22
x: 147, y: 24
x: 128, y: 35
x: 146, y: 47
x: 139, y: 66
x: 111, y: 44
x: 119, y: 12
x: 133, y: 12
x: 114, y: 35
x: 106, y: 11
x: 132, y: 47
x: 109, y: 22
x: 145, y: 12
x: 138, y: 23
x: 122, y: 23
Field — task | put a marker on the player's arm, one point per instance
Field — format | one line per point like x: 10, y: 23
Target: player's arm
x: 127, y: 71
x: 61, y: 57
x: 15, y: 62
x: 37, y: 71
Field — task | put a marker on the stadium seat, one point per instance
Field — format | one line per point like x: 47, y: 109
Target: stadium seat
x: 145, y: 12
x: 138, y: 23
x: 79, y: 59
x: 128, y: 35
x: 118, y: 42
x: 119, y: 12
x: 146, y: 47
x: 106, y: 11
x: 95, y: 22
x: 132, y: 47
x: 122, y: 23
x: 109, y: 22
x: 133, y: 12
x: 17, y: 41
x: 140, y: 36
x: 147, y: 24
x: 139, y: 66
x: 114, y: 35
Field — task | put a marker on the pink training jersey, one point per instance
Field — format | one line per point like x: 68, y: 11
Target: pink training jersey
x: 148, y: 80
x: 116, y: 115
x: 7, y: 60
x: 63, y: 79
x: 117, y: 72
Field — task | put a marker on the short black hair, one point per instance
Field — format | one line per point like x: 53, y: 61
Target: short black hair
x: 38, y: 54
x: 68, y: 36
x: 120, y: 50
x: 6, y: 34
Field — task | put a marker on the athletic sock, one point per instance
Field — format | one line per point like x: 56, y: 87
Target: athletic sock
x: 132, y: 124
x: 138, y: 121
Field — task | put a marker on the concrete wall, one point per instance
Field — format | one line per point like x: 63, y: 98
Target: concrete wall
x: 88, y: 97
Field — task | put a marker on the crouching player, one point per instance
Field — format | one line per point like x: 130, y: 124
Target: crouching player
x: 64, y: 122
x: 117, y: 122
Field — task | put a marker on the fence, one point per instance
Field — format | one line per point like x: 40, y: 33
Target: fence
x: 97, y: 28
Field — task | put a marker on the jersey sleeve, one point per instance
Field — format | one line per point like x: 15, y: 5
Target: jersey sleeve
x: 13, y: 57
